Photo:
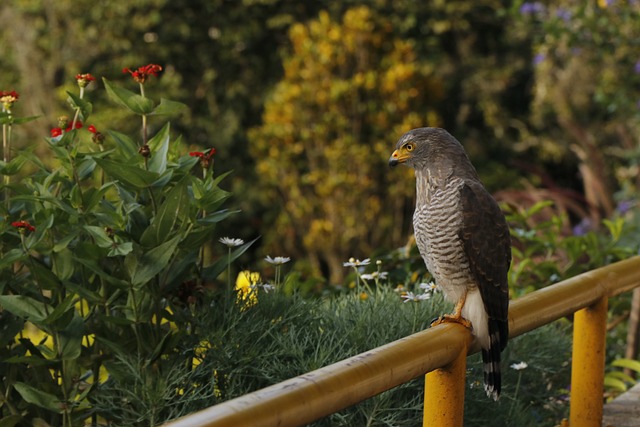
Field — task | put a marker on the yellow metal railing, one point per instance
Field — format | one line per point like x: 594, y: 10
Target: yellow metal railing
x: 441, y: 353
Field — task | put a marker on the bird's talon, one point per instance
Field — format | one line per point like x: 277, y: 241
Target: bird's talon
x: 448, y: 318
x: 437, y: 321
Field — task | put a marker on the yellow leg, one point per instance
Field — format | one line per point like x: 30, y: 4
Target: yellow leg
x: 456, y: 316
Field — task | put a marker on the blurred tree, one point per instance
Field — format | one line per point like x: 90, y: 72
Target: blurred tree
x: 349, y: 90
x: 585, y: 103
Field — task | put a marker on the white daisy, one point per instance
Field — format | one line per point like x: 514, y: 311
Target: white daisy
x: 375, y: 275
x: 519, y: 366
x: 410, y: 296
x: 228, y: 241
x: 356, y: 262
x: 279, y: 260
x: 428, y: 287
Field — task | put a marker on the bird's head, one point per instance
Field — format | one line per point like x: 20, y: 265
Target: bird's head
x: 429, y: 148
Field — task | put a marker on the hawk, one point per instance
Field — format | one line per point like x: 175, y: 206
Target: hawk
x: 463, y: 238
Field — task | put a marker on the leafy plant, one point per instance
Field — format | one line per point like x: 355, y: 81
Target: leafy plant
x: 105, y: 257
x: 619, y: 377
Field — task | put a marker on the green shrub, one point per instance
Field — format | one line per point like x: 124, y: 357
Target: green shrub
x: 104, y: 257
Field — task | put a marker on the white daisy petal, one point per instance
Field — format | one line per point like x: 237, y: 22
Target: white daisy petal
x: 228, y: 241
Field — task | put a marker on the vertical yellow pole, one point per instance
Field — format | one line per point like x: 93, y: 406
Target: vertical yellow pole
x: 444, y: 394
x: 587, y: 368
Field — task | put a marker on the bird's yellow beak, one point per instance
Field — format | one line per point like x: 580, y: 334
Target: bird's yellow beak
x: 397, y: 157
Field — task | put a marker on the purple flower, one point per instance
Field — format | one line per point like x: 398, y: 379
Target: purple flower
x: 624, y: 206
x: 538, y: 58
x: 531, y: 8
x: 636, y: 67
x: 582, y: 228
x: 564, y: 14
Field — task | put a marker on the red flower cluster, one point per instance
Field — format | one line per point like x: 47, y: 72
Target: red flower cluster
x: 23, y: 226
x: 8, y: 98
x: 55, y: 132
x: 205, y: 158
x: 13, y: 94
x: 208, y: 155
x: 84, y: 79
x: 97, y: 137
x: 142, y: 73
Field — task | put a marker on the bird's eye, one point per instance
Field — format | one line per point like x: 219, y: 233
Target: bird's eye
x: 409, y: 147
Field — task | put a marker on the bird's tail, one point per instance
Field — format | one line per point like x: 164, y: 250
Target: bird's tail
x: 491, y: 359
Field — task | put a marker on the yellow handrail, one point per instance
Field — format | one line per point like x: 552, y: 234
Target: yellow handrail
x: 316, y: 394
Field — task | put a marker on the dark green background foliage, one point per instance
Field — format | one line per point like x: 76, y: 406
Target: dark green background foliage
x: 510, y: 81
x: 303, y: 102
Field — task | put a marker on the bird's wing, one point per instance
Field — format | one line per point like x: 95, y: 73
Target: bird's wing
x: 487, y: 245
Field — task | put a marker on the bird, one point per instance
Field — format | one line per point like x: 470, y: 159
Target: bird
x: 463, y: 238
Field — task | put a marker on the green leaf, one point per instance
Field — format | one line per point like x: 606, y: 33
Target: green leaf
x: 21, y: 120
x: 175, y: 208
x: 85, y: 167
x: 63, y: 265
x: 168, y: 107
x: 93, y: 196
x: 85, y: 106
x: 160, y: 348
x: 217, y: 216
x: 151, y: 262
x: 120, y: 249
x: 10, y: 420
x: 71, y: 339
x: 128, y: 148
x: 11, y: 326
x: 25, y: 307
x: 38, y: 397
x: 99, y: 236
x: 213, y: 271
x: 164, y: 179
x: 12, y: 256
x: 632, y: 364
x: 63, y: 313
x: 159, y: 146
x: 64, y: 242
x: 13, y: 166
x: 8, y: 119
x: 132, y: 176
x: 134, y: 102
x: 615, y: 383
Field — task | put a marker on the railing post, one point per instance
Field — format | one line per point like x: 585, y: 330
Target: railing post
x: 587, y: 367
x: 444, y: 394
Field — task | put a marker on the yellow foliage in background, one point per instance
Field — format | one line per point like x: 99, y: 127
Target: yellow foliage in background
x: 350, y: 89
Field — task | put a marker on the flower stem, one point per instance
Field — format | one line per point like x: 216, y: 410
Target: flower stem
x: 229, y: 293
x: 6, y: 156
x: 515, y: 395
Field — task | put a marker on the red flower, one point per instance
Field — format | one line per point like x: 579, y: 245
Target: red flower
x: 97, y: 137
x: 13, y: 94
x: 8, y: 98
x: 84, y: 79
x: 78, y: 125
x: 23, y: 226
x: 55, y: 132
x: 205, y: 158
x: 142, y: 73
x: 208, y: 155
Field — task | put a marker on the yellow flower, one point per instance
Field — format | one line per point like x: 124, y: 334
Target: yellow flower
x: 246, y: 287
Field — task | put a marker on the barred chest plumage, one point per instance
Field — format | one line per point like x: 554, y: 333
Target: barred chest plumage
x: 437, y: 221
